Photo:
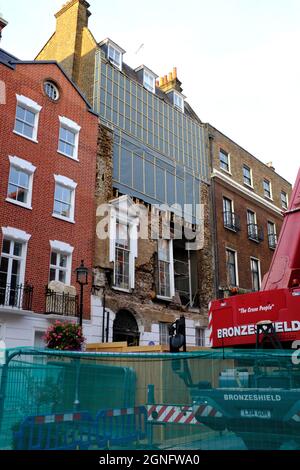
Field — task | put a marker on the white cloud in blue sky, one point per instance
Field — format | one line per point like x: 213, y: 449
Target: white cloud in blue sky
x: 238, y: 60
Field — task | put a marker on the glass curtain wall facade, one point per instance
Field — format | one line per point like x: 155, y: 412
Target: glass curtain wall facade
x: 159, y: 152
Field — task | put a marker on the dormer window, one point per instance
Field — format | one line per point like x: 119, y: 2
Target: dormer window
x: 149, y: 81
x: 178, y: 101
x: 115, y: 56
x: 147, y: 77
x: 113, y: 52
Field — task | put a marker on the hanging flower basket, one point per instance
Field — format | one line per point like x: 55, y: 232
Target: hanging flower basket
x: 64, y: 336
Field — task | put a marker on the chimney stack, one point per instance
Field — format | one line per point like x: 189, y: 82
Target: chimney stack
x: 170, y: 82
x: 270, y: 165
x: 3, y: 23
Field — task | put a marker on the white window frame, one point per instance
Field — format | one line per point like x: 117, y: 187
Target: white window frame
x: 287, y: 200
x: 19, y: 236
x: 252, y: 258
x: 70, y: 184
x: 236, y: 264
x: 171, y: 270
x: 229, y: 162
x: 119, y: 213
x: 201, y: 336
x: 35, y: 108
x: 71, y: 126
x: 274, y: 233
x: 64, y: 249
x: 147, y: 78
x: 271, y: 192
x: 250, y: 185
x: 232, y: 212
x: 164, y: 334
x: 180, y: 105
x: 28, y: 168
x: 249, y: 222
x: 112, y: 48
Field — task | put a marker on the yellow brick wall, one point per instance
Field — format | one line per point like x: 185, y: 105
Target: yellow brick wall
x: 73, y: 46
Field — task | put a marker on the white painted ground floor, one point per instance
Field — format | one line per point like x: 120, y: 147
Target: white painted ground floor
x: 24, y: 328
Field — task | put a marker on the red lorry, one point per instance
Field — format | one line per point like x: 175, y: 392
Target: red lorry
x: 234, y: 321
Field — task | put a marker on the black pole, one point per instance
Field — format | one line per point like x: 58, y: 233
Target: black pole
x: 107, y: 326
x: 103, y: 316
x: 81, y: 305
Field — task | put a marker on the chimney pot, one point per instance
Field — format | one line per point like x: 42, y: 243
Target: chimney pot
x: 170, y: 77
x: 174, y: 73
x: 165, y: 79
x: 161, y: 81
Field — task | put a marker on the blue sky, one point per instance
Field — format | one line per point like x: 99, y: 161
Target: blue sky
x: 238, y: 60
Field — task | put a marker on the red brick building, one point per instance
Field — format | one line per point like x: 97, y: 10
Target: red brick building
x: 48, y: 148
x: 249, y: 199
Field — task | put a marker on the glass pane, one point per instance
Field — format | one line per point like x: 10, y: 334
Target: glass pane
x: 57, y: 207
x: 122, y: 235
x: 12, y: 192
x: 70, y: 137
x: 65, y: 210
x: 66, y: 195
x: 149, y: 181
x: 52, y: 275
x: 53, y: 259
x: 62, y: 276
x: 20, y: 113
x: 16, y: 267
x: 14, y: 176
x: 6, y: 246
x: 3, y: 265
x: 23, y: 179
x: 22, y: 195
x: 69, y: 150
x: 19, y: 127
x: 63, y: 134
x: 28, y: 131
x: 63, y: 261
x: 29, y: 117
x: 17, y: 249
x: 163, y: 250
x: 58, y: 192
x: 138, y: 173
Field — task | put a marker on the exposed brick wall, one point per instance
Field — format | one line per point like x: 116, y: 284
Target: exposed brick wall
x: 239, y: 241
x: 28, y: 80
x: 238, y: 157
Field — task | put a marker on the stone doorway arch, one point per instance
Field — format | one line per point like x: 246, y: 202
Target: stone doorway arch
x: 125, y: 328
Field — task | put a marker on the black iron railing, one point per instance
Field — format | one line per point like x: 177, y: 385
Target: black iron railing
x: 255, y: 233
x: 231, y: 221
x: 61, y: 304
x: 272, y: 240
x: 16, y: 296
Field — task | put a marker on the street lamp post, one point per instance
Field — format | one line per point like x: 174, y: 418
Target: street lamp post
x: 82, y: 279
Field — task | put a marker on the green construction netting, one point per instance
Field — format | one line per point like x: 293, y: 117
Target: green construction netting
x: 208, y: 400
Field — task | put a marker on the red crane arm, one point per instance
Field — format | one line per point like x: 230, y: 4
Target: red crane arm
x: 284, y: 271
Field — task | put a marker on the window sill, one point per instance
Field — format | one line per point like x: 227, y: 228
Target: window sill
x: 68, y: 156
x: 269, y: 198
x: 234, y: 230
x: 18, y: 203
x: 25, y: 137
x: 65, y: 219
x: 166, y: 299
x: 253, y: 240
x: 120, y: 289
x: 249, y: 186
x: 226, y: 171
